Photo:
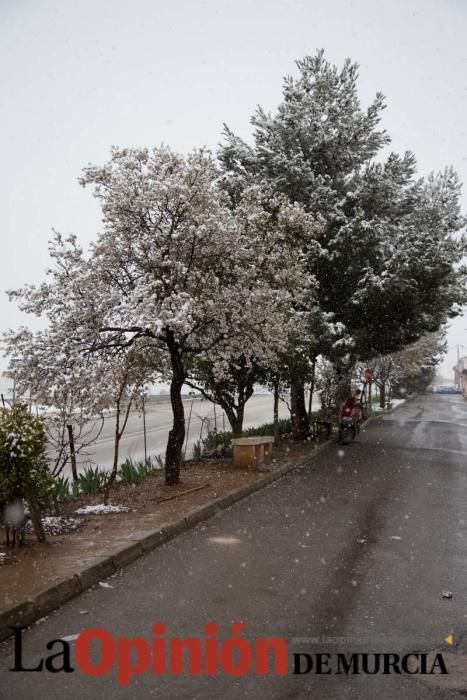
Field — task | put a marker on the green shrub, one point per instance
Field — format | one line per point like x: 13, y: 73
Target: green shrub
x: 159, y: 462
x: 135, y: 472
x: 319, y: 415
x: 213, y: 439
x: 146, y: 467
x: 143, y: 468
x: 91, y: 480
x: 284, y: 425
x: 197, y: 451
x: 62, y: 488
x: 24, y: 468
x: 129, y: 473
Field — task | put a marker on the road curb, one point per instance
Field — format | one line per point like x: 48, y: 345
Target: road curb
x: 52, y: 597
x: 90, y: 575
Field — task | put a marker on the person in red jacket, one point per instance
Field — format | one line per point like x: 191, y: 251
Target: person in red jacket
x: 352, y: 406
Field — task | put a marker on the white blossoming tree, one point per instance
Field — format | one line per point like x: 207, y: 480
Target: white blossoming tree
x: 77, y: 388
x: 66, y: 388
x: 173, y: 272
x: 274, y: 235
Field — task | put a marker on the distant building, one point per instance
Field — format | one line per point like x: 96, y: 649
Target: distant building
x: 460, y: 375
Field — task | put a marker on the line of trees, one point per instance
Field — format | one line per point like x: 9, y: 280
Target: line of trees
x: 225, y: 271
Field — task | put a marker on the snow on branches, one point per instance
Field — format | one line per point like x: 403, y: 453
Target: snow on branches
x: 307, y: 242
x: 174, y: 272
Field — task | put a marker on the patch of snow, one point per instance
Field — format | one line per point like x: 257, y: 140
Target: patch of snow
x: 101, y: 509
x: 54, y: 525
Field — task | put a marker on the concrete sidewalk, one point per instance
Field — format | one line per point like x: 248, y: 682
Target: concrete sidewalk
x: 70, y: 574
x: 90, y: 563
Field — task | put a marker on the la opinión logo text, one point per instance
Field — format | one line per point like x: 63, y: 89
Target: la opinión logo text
x: 97, y: 652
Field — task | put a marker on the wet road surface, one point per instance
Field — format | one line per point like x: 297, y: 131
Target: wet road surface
x: 348, y: 554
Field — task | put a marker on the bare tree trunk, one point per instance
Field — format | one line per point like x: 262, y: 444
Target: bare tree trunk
x: 236, y: 413
x: 276, y: 411
x: 56, y: 505
x: 312, y: 385
x: 234, y: 410
x: 188, y: 429
x: 118, y: 436
x: 382, y: 394
x: 145, y: 434
x: 71, y: 439
x: 109, y: 481
x: 174, y: 451
x: 236, y: 421
x: 343, y: 381
x: 300, y: 424
x: 35, y: 513
x: 236, y: 426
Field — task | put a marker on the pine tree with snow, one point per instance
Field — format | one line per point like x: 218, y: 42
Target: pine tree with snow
x: 387, y: 260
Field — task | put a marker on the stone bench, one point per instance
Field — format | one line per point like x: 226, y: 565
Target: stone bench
x: 251, y: 451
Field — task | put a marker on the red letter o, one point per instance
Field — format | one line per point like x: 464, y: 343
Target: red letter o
x: 107, y: 651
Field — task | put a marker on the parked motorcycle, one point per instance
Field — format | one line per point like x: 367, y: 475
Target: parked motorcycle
x: 349, y: 425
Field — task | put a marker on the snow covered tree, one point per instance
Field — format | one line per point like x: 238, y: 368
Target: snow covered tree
x: 78, y: 389
x: 273, y: 234
x: 416, y: 364
x: 389, y: 271
x: 387, y: 260
x: 65, y: 386
x: 173, y: 272
x: 123, y: 377
x: 411, y: 369
x: 227, y: 383
x: 327, y: 386
x: 385, y: 370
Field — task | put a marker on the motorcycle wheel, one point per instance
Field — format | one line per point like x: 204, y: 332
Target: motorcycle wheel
x: 347, y: 434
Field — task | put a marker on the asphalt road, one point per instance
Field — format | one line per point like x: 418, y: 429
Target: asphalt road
x: 258, y: 410
x: 350, y: 554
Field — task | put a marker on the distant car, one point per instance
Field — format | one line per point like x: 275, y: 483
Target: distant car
x: 447, y: 390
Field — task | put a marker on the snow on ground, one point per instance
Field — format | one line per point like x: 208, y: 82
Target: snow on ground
x: 56, y: 525
x: 394, y: 403
x: 101, y: 509
x: 5, y: 558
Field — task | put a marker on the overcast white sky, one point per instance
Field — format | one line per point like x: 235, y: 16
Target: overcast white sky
x: 77, y: 77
